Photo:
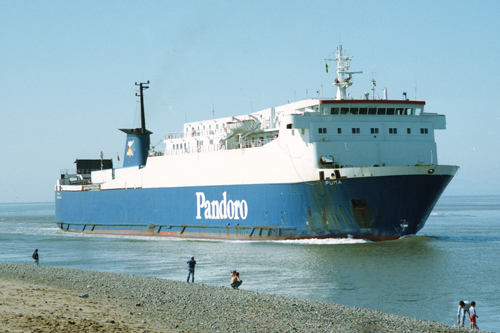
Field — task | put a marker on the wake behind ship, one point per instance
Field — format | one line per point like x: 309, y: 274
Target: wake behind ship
x: 316, y: 168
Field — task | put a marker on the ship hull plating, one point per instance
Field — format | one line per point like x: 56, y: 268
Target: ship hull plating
x: 375, y: 208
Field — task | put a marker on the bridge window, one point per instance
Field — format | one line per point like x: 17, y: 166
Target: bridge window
x: 288, y: 126
x: 335, y: 110
x: 399, y: 111
x: 344, y: 110
x: 390, y: 111
x: 372, y: 111
x: 381, y: 111
x: 354, y: 110
x: 363, y: 110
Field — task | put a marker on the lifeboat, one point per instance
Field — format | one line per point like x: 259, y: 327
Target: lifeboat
x: 241, y: 126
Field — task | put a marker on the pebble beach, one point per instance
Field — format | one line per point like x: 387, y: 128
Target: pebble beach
x: 51, y: 299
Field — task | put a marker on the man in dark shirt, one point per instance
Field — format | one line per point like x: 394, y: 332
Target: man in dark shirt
x: 35, y: 257
x: 191, y: 262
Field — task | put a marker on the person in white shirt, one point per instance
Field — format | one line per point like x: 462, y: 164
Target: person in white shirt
x: 463, y: 308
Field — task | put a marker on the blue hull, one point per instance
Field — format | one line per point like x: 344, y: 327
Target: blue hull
x: 376, y: 208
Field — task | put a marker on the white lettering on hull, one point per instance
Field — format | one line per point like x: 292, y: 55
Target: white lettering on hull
x: 333, y: 182
x: 225, y: 209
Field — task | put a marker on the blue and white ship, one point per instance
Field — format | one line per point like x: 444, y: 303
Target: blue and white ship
x: 318, y: 168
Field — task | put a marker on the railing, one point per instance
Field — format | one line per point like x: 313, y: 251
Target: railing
x: 69, y: 172
x: 74, y: 173
x: 194, y: 133
x: 211, y: 148
x: 249, y: 143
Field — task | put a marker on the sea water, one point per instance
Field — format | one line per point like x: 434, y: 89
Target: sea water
x: 455, y: 257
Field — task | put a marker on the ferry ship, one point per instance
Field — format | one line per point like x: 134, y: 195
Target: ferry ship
x: 362, y: 167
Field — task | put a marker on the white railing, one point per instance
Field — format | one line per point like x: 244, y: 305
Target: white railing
x: 194, y: 133
x: 212, y: 148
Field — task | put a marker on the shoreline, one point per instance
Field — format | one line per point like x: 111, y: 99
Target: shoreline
x: 48, y: 299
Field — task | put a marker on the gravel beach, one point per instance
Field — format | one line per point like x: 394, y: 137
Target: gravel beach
x: 48, y: 299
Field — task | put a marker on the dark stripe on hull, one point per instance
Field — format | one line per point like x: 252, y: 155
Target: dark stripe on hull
x: 375, y: 208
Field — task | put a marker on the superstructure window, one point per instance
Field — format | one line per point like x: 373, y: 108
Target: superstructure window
x: 408, y: 130
x: 322, y: 130
x: 424, y: 131
x: 339, y: 130
x: 393, y: 131
x: 288, y: 126
x: 335, y: 110
x: 356, y: 130
x: 374, y: 130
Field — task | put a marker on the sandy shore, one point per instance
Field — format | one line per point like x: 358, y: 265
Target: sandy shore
x: 47, y: 299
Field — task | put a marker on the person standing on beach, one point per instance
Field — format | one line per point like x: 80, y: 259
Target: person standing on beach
x: 473, y: 315
x: 191, y: 262
x: 35, y: 256
x: 463, y: 308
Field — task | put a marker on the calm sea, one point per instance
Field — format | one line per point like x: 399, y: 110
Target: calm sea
x: 456, y: 256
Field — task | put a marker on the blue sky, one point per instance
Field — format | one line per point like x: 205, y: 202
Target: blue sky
x: 68, y: 69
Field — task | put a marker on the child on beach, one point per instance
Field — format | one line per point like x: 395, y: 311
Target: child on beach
x: 473, y: 315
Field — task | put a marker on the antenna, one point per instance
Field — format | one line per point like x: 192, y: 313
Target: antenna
x: 344, y: 75
x: 374, y: 83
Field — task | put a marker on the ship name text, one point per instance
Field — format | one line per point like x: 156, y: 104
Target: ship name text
x: 225, y: 209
